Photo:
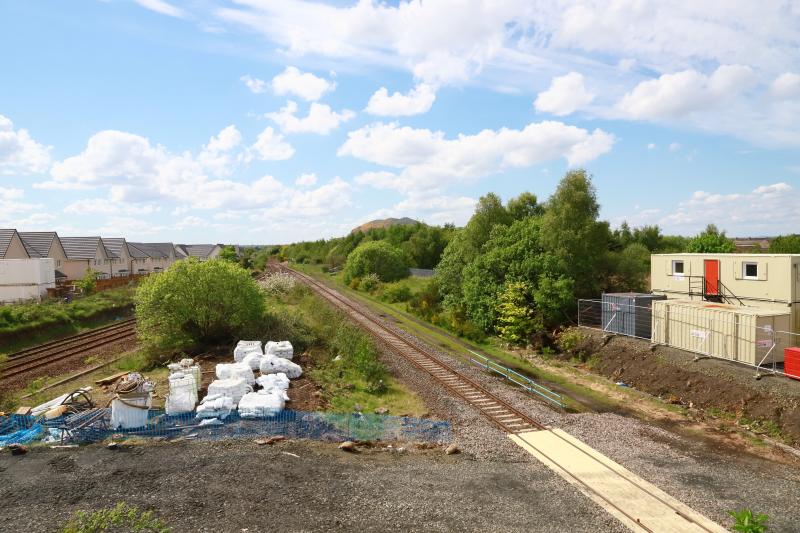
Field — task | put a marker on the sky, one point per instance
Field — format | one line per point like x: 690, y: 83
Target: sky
x: 274, y: 121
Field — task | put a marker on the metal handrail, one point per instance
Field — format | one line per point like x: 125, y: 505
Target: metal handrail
x: 517, y: 378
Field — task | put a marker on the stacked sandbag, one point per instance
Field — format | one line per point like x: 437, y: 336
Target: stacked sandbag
x: 215, y: 406
x: 245, y: 347
x: 274, y: 365
x: 277, y: 381
x: 236, y: 370
x: 261, y: 404
x: 233, y: 388
x: 253, y: 360
x: 282, y: 349
x: 182, y: 395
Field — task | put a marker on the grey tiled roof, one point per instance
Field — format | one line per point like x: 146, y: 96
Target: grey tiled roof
x: 80, y: 247
x: 5, y: 240
x: 155, y: 249
x: 198, y: 250
x: 114, y: 246
x: 38, y: 243
x: 135, y: 252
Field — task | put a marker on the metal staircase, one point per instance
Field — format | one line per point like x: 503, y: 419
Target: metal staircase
x: 698, y: 287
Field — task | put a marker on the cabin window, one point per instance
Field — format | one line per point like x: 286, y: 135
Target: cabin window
x: 677, y: 268
x: 750, y: 270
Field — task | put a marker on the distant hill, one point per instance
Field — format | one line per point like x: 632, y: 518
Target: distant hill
x: 385, y: 223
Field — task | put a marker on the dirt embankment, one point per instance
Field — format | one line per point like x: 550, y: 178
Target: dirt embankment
x: 718, y: 388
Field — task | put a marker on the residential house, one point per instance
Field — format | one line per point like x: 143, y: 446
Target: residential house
x: 119, y: 256
x: 11, y: 245
x: 46, y: 244
x: 140, y: 261
x: 201, y: 252
x: 159, y: 255
x: 85, y: 253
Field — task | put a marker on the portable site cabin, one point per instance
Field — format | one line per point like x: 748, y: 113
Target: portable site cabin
x: 742, y: 334
x: 767, y: 281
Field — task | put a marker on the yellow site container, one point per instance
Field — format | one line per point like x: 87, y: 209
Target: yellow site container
x: 743, y: 334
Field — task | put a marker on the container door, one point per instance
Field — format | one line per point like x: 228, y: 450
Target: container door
x: 711, y: 269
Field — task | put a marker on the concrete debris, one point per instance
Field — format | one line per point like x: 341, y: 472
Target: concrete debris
x: 348, y: 446
x: 452, y: 449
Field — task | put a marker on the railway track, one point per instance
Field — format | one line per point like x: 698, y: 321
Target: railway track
x: 609, y: 484
x: 51, y: 352
x: 497, y: 410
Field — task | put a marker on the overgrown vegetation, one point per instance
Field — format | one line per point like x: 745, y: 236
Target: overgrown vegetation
x: 88, y: 283
x: 380, y: 258
x: 785, y: 244
x: 197, y: 303
x: 747, y: 522
x: 346, y: 362
x: 58, y: 317
x: 121, y: 517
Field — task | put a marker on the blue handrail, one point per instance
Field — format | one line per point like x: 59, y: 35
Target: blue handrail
x: 517, y: 378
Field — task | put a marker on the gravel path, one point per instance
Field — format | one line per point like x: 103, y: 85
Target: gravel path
x: 707, y: 477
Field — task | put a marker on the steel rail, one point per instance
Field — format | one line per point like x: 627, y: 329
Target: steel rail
x: 70, y: 339
x: 497, y: 410
x: 437, y: 369
x: 56, y: 354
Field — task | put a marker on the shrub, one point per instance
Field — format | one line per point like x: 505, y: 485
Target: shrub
x: 396, y: 293
x: 121, y: 517
x: 358, y: 352
x: 569, y: 340
x: 355, y: 283
x: 87, y: 283
x: 747, y: 522
x: 277, y: 283
x: 516, y: 320
x: 378, y: 257
x: 197, y: 303
x: 370, y: 283
x: 427, y: 303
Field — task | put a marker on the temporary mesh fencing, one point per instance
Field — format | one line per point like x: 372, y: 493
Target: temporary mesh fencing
x: 94, y: 426
x: 740, y: 340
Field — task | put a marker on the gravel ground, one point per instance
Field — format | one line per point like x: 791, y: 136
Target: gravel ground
x: 238, y: 486
x: 708, y: 477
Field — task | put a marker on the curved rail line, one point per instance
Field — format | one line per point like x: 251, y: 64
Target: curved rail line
x: 495, y: 409
x: 54, y: 351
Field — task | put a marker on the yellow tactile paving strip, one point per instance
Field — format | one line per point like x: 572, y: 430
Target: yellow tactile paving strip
x: 638, y: 504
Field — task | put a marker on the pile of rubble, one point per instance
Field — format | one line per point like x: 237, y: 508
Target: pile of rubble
x: 236, y: 386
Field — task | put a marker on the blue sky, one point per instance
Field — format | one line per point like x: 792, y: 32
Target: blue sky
x: 260, y: 121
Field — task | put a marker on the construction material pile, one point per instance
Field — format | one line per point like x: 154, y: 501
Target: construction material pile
x: 133, y: 397
x: 237, y: 387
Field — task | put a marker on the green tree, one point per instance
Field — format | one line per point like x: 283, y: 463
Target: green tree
x: 711, y: 241
x: 632, y: 268
x: 785, y: 244
x: 523, y: 206
x: 197, y: 303
x: 571, y: 230
x: 516, y: 320
x: 376, y: 257
x: 228, y: 253
x: 88, y: 283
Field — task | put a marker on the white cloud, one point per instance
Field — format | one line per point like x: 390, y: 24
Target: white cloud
x: 419, y: 100
x: 765, y: 210
x: 103, y: 206
x: 19, y: 153
x: 674, y: 147
x: 429, y: 160
x: 786, y: 86
x: 651, y: 146
x: 255, y: 85
x: 566, y: 95
x: 321, y: 119
x: 673, y: 96
x: 270, y: 146
x: 159, y: 6
x: 306, y: 180
x: 11, y: 194
x: 303, y: 84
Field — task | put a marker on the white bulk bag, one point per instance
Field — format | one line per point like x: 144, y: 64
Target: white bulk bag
x: 262, y: 403
x: 215, y: 406
x: 235, y: 370
x: 245, y: 347
x: 130, y: 412
x: 274, y: 381
x: 182, y: 395
x: 233, y: 388
x: 253, y: 360
x: 273, y: 365
x: 279, y: 349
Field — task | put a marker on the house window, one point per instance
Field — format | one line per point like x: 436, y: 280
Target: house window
x: 750, y: 270
x: 677, y: 268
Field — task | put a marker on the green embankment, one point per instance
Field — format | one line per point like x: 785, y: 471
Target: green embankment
x: 29, y: 324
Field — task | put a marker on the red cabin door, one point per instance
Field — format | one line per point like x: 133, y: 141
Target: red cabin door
x: 711, y: 269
